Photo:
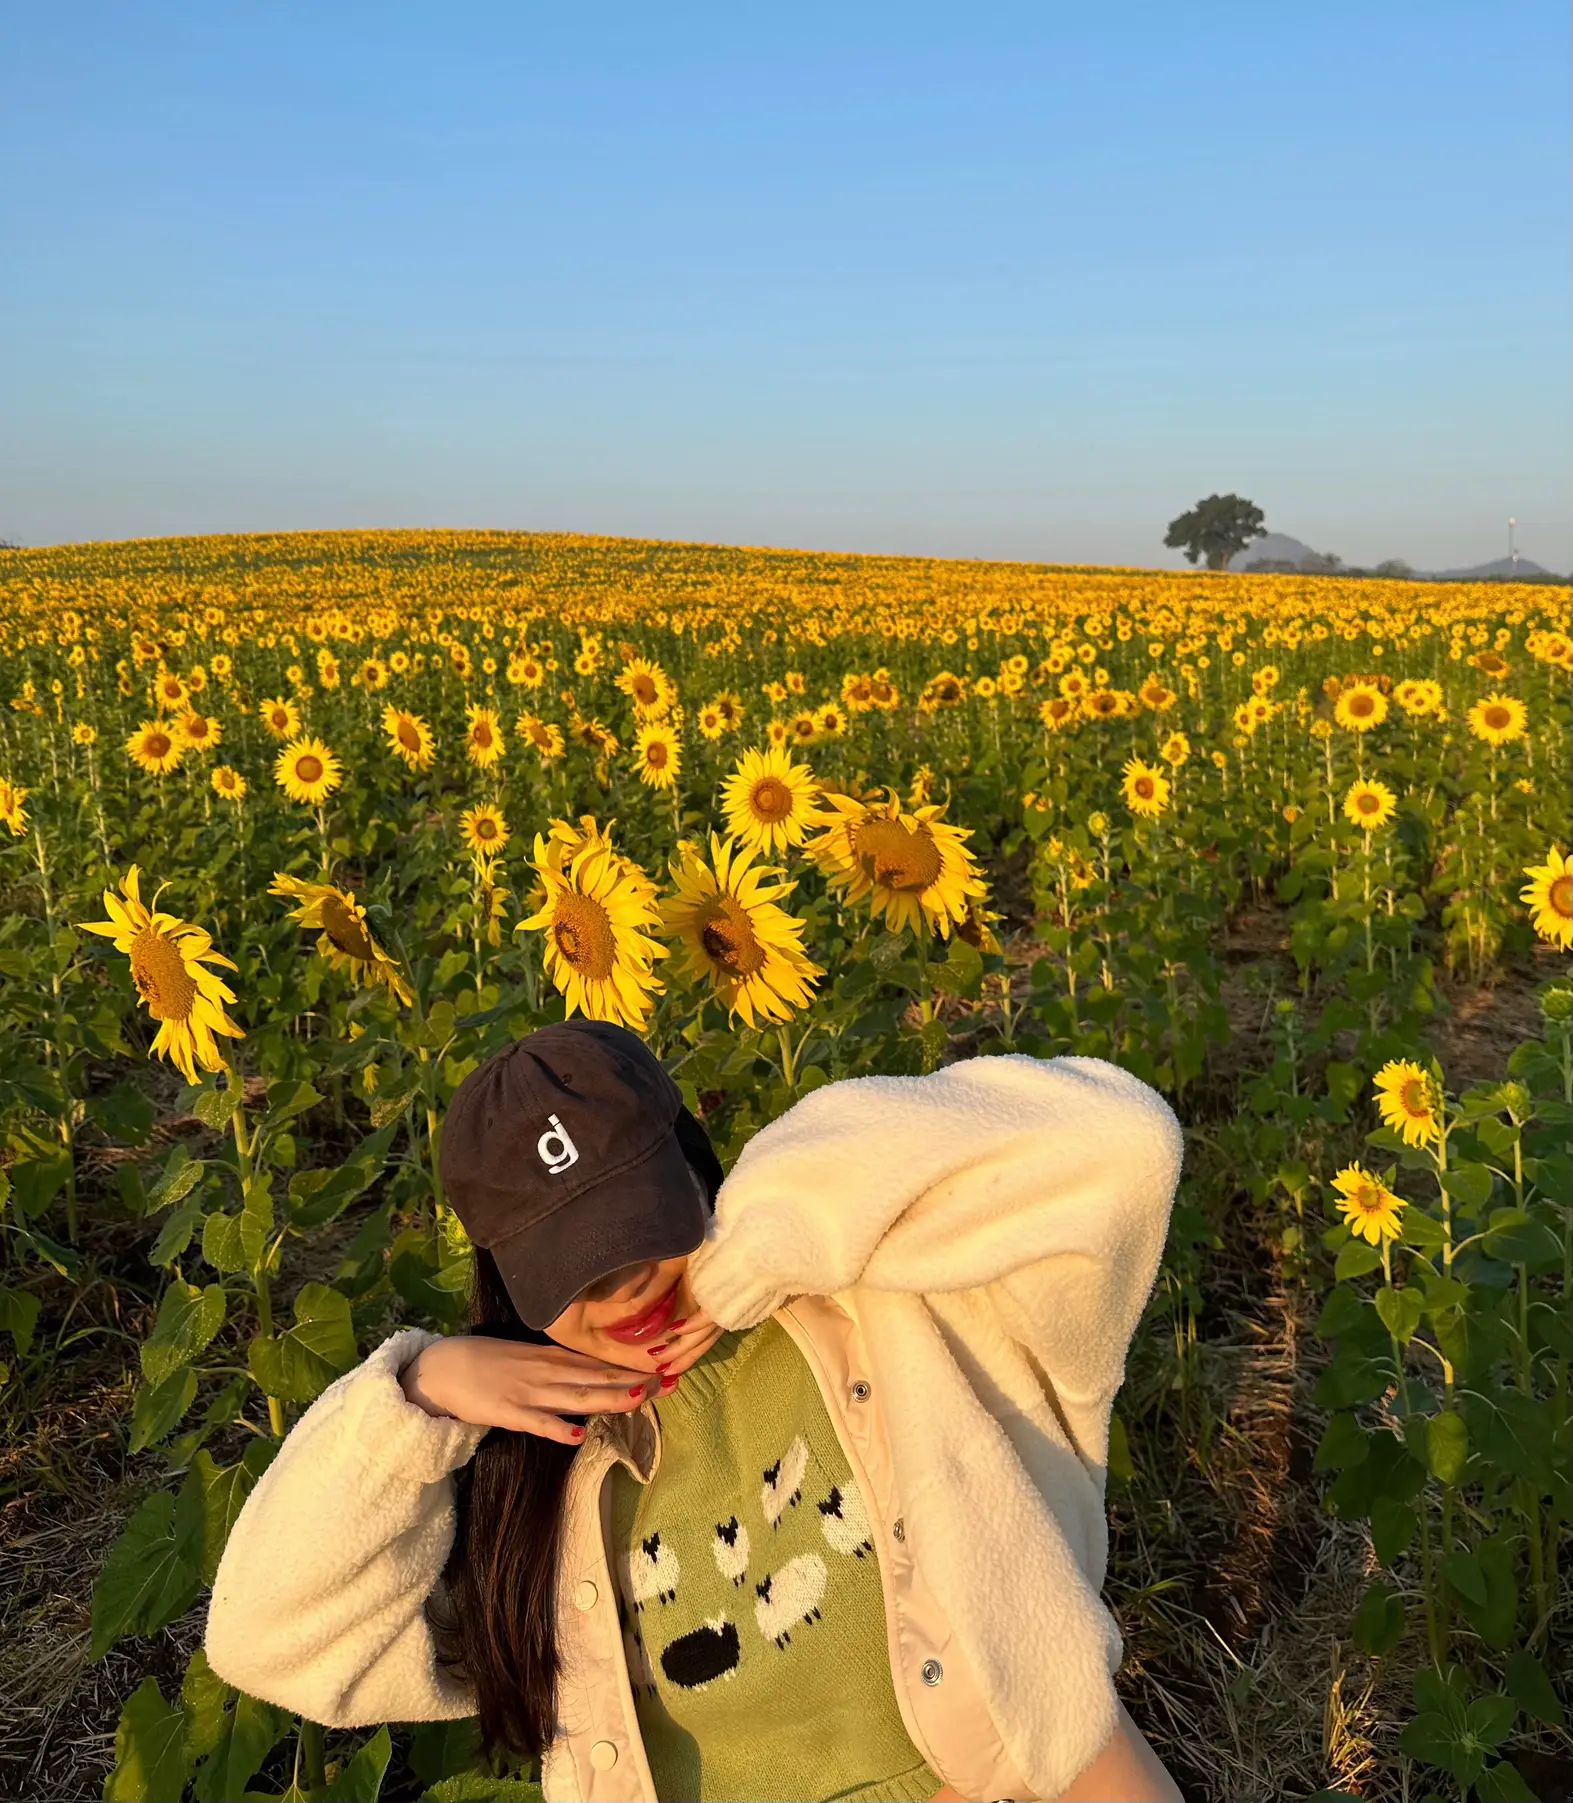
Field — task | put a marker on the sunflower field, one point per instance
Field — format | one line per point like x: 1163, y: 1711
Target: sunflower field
x: 295, y: 831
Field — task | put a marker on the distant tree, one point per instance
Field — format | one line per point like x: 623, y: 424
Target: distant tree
x: 1218, y: 528
x: 1394, y: 566
x: 1321, y: 563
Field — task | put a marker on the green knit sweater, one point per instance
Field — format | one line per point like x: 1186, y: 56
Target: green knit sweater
x: 749, y: 1592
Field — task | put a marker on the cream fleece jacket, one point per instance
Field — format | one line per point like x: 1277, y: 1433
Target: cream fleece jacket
x: 999, y: 1225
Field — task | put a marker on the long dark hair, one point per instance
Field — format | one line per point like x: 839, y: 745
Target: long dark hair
x: 497, y: 1625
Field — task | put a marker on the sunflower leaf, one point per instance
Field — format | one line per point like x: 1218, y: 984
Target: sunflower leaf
x: 188, y: 1318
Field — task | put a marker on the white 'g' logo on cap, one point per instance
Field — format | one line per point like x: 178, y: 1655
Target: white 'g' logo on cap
x: 557, y: 1150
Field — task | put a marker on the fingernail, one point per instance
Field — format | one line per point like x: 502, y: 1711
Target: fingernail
x: 577, y: 1432
x: 668, y: 1383
x: 662, y: 1368
x: 637, y: 1390
x: 673, y: 1326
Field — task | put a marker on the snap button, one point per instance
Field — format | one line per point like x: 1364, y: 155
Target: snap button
x: 586, y: 1594
x: 933, y: 1671
x: 861, y: 1391
x: 899, y: 1528
x: 603, y: 1755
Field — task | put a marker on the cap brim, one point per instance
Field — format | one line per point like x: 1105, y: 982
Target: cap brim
x: 652, y: 1211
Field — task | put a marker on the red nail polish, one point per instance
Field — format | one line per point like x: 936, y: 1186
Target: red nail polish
x: 673, y: 1326
x: 667, y: 1384
x: 577, y: 1432
x: 637, y: 1390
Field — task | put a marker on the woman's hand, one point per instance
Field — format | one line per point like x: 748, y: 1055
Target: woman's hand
x: 689, y: 1338
x: 513, y: 1384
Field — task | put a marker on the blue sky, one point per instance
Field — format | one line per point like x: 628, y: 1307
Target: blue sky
x: 983, y: 281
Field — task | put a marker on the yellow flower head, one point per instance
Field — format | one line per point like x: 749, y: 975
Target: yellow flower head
x: 307, y: 771
x: 1410, y: 1104
x: 484, y: 743
x: 1371, y: 1209
x: 729, y: 920
x: 12, y: 812
x: 484, y: 830
x: 1360, y: 706
x: 1369, y: 804
x: 1499, y: 719
x: 345, y: 940
x: 169, y: 966
x: 1549, y: 897
x: 914, y: 867
x: 649, y: 687
x: 409, y: 737
x: 155, y: 747
x: 769, y: 800
x: 657, y: 754
x: 281, y: 717
x: 228, y: 782
x: 200, y: 731
x: 1145, y: 788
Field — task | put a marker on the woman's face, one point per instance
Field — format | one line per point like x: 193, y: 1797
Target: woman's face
x: 661, y: 1326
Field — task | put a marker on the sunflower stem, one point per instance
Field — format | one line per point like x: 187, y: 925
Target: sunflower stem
x: 259, y: 1275
x: 788, y: 1062
x: 62, y: 1059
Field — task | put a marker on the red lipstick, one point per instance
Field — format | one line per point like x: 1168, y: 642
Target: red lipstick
x: 634, y: 1330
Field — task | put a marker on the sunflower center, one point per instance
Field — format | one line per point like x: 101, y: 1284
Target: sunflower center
x: 485, y: 829
x: 583, y: 935
x: 1497, y: 717
x: 896, y: 858
x: 346, y: 932
x: 644, y: 690
x: 1559, y: 898
x: 308, y: 768
x: 157, y: 745
x: 656, y: 754
x: 409, y: 737
x: 1367, y: 1199
x: 1144, y: 788
x: 482, y: 734
x: 771, y: 799
x: 729, y: 939
x: 196, y: 729
x: 1360, y: 704
x: 165, y: 985
x: 1368, y: 803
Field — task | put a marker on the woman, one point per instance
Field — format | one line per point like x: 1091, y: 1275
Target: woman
x: 791, y: 1487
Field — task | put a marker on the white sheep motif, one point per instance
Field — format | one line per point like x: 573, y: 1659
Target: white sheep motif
x: 783, y: 1485
x: 653, y: 1571
x: 789, y: 1596
x: 844, y: 1520
x: 730, y: 1549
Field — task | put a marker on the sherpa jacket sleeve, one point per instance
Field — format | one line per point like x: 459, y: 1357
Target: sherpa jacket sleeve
x: 318, y: 1604
x: 1047, y: 1180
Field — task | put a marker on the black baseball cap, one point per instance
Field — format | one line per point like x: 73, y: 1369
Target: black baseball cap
x: 570, y: 1155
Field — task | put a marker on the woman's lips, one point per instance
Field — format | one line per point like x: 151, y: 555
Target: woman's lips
x: 635, y: 1330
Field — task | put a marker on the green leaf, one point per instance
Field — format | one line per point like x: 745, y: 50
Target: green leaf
x: 1420, y: 1231
x: 1343, y: 1444
x: 360, y: 1781
x: 188, y: 1318
x: 206, y: 1697
x: 223, y: 1244
x: 153, y: 1573
x: 1393, y: 1525
x: 1527, y: 1681
x: 319, y: 1196
x: 158, y: 1408
x: 222, y: 1491
x: 1120, y: 1466
x: 1517, y: 1238
x: 1503, y: 1783
x: 35, y: 1182
x: 1400, y: 1311
x: 481, y: 1787
x: 1470, y: 1185
x: 1490, y: 1719
x: 18, y: 1316
x: 175, y: 1235
x: 1447, y: 1446
x: 256, y: 1221
x: 1351, y: 1379
x: 150, y: 1749
x: 1463, y: 1572
x: 125, y: 1113
x: 251, y: 1730
x: 180, y: 1176
x: 1495, y: 1620
x: 443, y: 1749
x: 289, y: 1096
x: 1357, y: 1259
x: 388, y: 1105
x: 1344, y: 1310
x: 298, y: 1365
x: 1379, y: 1621
x: 214, y: 1108
x: 1433, y: 1740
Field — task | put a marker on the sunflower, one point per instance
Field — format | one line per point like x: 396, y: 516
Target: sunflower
x: 410, y: 737
x: 944, y: 690
x: 730, y: 708
x: 658, y: 754
x: 484, y: 830
x: 169, y: 959
x: 1549, y: 897
x: 1360, y: 706
x: 1419, y: 696
x: 156, y: 748
x: 648, y: 686
x: 544, y: 735
x: 483, y: 738
x: 345, y: 940
x: 1145, y: 788
x: 83, y: 734
x: 306, y: 770
x: 201, y: 732
x: 1057, y: 713
x: 228, y: 782
x: 769, y: 800
x: 711, y: 725
x: 1175, y: 750
x: 803, y: 728
x: 12, y: 811
x: 1369, y: 1207
x: 1409, y: 1101
x: 1369, y: 804
x: 281, y: 717
x: 914, y: 867
x: 729, y: 920
x: 779, y: 734
x: 830, y: 722
x: 1499, y: 719
x: 168, y: 690
x: 1154, y: 693
x: 597, y: 924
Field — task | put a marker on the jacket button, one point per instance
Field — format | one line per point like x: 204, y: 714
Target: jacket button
x: 861, y: 1391
x: 584, y: 1597
x: 899, y: 1528
x: 603, y: 1755
x: 933, y: 1671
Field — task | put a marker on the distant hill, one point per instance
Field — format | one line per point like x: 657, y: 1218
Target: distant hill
x: 1279, y: 552
x: 1483, y: 572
